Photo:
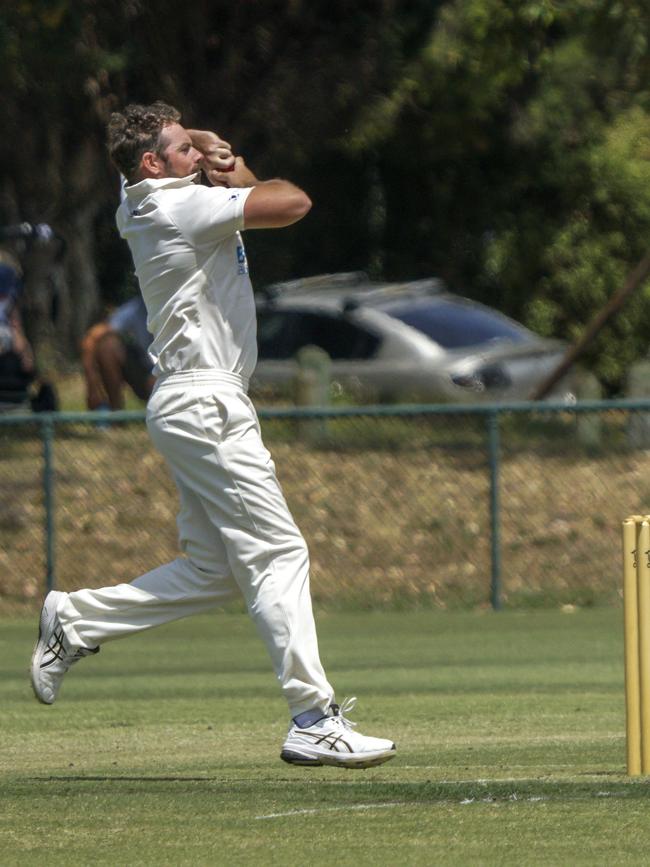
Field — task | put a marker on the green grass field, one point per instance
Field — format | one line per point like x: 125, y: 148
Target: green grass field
x: 164, y: 749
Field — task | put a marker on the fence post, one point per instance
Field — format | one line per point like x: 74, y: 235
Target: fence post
x: 638, y: 422
x: 312, y: 388
x: 47, y: 431
x: 589, y: 426
x: 495, y: 517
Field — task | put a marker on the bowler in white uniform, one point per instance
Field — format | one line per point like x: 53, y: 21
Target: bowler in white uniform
x: 236, y: 532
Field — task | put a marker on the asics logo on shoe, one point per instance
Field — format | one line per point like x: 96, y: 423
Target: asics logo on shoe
x: 54, y: 649
x: 332, y: 741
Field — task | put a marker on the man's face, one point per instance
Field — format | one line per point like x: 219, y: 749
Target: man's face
x: 178, y: 157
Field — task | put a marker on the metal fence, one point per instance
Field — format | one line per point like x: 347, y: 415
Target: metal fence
x: 445, y: 506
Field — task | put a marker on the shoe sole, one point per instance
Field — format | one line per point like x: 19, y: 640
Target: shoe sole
x: 48, y: 612
x: 352, y: 761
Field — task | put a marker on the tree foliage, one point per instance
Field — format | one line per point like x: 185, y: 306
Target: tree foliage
x: 527, y: 130
x: 502, y: 145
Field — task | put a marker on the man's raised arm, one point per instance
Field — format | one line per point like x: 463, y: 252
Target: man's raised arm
x: 271, y: 205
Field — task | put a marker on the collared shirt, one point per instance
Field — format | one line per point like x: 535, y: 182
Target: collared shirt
x: 191, y: 265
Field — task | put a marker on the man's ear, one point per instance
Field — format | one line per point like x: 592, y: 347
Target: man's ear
x: 151, y: 165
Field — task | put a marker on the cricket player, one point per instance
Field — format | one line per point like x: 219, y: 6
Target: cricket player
x: 235, y: 529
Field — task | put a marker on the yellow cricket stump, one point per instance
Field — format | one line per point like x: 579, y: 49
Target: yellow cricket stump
x: 636, y: 604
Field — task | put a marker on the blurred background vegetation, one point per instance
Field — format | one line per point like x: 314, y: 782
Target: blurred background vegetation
x: 504, y: 146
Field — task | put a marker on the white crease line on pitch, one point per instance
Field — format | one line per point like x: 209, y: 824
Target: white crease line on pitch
x: 333, y: 809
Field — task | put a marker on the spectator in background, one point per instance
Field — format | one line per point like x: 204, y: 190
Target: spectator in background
x: 18, y: 374
x: 12, y: 337
x: 114, y: 353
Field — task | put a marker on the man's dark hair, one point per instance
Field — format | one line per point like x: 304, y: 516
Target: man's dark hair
x: 136, y: 130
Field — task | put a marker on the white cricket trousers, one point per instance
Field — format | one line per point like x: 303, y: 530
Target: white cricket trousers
x: 235, y: 530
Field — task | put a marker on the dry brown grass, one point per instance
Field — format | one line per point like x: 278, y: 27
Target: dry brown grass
x: 395, y: 512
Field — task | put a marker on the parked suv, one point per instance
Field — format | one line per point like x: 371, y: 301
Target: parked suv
x: 401, y: 341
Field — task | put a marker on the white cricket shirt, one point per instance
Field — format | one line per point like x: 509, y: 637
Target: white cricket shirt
x: 191, y: 265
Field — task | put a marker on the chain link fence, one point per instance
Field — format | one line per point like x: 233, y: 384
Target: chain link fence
x: 401, y: 506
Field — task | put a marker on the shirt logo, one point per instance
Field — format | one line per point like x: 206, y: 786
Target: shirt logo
x: 242, y: 262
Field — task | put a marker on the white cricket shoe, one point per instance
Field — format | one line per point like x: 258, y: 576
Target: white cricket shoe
x: 332, y: 741
x: 52, y: 655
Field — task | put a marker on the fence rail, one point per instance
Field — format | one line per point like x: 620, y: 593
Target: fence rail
x: 472, y: 504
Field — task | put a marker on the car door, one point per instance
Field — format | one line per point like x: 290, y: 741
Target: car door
x: 283, y: 333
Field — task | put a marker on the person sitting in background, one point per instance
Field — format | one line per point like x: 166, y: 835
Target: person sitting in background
x: 114, y: 352
x: 18, y: 374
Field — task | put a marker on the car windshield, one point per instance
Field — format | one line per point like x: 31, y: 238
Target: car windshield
x: 456, y: 323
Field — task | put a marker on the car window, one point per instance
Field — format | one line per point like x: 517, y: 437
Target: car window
x: 456, y: 323
x: 282, y: 333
